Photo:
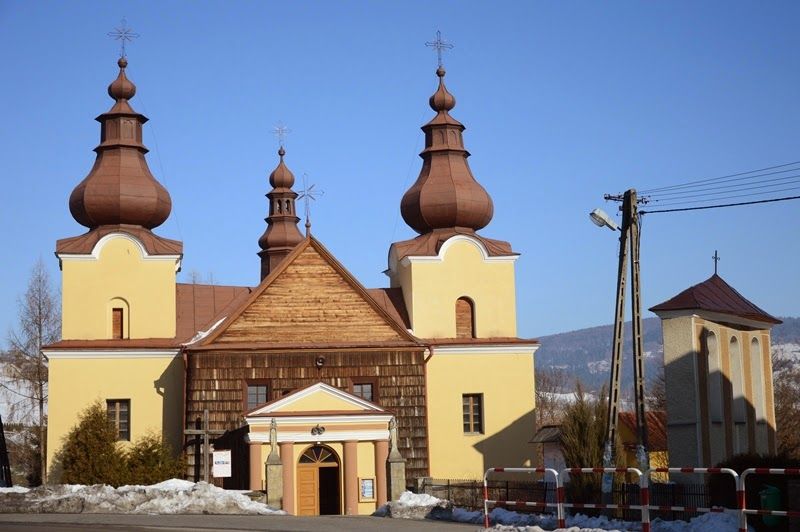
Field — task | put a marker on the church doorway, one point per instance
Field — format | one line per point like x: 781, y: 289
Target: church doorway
x: 318, y: 482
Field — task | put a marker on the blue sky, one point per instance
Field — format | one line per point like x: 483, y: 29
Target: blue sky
x: 563, y: 102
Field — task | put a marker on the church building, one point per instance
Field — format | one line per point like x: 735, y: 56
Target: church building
x: 324, y: 390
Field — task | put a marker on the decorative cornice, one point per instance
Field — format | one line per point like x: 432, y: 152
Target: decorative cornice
x: 110, y: 353
x: 98, y: 248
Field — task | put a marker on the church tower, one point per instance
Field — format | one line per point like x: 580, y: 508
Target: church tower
x: 455, y: 282
x: 118, y: 279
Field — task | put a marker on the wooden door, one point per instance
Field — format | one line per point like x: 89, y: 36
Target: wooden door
x: 307, y: 490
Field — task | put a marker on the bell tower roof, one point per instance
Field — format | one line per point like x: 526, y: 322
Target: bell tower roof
x: 120, y: 190
x: 446, y: 194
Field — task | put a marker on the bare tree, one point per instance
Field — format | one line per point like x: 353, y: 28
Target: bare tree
x: 24, y: 363
x: 786, y: 378
x: 551, y: 385
x: 657, y: 399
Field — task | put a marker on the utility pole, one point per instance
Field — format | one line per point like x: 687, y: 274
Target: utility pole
x: 628, y: 239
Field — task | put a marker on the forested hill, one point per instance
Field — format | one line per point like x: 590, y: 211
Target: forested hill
x: 586, y: 353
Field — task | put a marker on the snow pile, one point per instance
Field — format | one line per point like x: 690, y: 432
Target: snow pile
x: 417, y: 506
x: 169, y: 497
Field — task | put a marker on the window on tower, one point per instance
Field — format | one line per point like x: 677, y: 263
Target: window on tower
x: 472, y: 410
x: 365, y: 388
x: 117, y: 323
x: 465, y: 318
x: 256, y: 393
x: 119, y: 415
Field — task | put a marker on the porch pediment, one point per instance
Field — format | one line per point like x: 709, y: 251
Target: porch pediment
x: 319, y: 413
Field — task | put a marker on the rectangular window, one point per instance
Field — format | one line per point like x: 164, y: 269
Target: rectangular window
x: 117, y: 324
x: 363, y: 390
x: 119, y: 414
x: 473, y: 413
x: 256, y: 395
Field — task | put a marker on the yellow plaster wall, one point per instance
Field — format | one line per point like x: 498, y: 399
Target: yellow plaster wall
x: 320, y: 401
x: 153, y: 385
x: 507, y: 417
x: 366, y: 469
x: 431, y: 289
x: 147, y: 287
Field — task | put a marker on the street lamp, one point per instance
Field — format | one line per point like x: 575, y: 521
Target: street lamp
x: 600, y: 218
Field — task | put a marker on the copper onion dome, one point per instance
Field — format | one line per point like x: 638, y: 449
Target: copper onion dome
x: 282, y: 234
x: 445, y: 195
x: 120, y: 188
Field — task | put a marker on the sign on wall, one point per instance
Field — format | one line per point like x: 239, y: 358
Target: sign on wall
x: 222, y: 464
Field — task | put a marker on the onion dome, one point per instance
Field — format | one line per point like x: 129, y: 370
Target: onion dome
x: 120, y: 190
x: 446, y: 194
x: 282, y: 234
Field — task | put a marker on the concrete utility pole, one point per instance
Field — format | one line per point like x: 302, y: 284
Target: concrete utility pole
x: 628, y: 239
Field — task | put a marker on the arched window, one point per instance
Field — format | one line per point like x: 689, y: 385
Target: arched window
x: 714, y: 379
x: 465, y: 318
x: 119, y: 318
x: 737, y: 382
x: 757, y: 376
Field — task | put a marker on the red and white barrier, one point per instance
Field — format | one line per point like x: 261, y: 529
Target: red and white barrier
x: 744, y: 511
x: 559, y: 490
x: 644, y: 491
x: 644, y: 487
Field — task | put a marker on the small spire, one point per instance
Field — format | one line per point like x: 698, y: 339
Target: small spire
x: 282, y: 234
x: 716, y: 259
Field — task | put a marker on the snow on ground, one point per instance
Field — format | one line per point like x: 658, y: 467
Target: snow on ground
x: 508, y: 521
x: 169, y: 497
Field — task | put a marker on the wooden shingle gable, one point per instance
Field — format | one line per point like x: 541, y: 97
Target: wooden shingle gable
x: 310, y: 299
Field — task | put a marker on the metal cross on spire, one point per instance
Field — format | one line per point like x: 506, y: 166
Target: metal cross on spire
x: 123, y: 34
x: 716, y: 261
x: 280, y: 131
x: 440, y: 45
x: 309, y: 194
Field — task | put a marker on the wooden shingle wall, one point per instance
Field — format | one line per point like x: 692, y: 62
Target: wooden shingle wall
x: 310, y: 302
x: 215, y: 382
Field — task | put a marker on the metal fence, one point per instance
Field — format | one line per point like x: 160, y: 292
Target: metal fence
x: 468, y: 494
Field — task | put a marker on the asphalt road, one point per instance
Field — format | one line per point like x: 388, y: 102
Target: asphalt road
x: 226, y: 523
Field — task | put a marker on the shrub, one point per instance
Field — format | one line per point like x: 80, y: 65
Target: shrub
x: 152, y: 460
x: 90, y: 454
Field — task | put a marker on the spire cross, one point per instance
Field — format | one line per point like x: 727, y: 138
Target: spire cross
x: 123, y: 34
x: 716, y: 261
x: 280, y: 131
x: 309, y: 194
x: 440, y: 45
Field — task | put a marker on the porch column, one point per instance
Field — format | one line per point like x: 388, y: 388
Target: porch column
x: 287, y: 461
x: 381, y: 456
x: 351, y: 478
x: 255, y: 465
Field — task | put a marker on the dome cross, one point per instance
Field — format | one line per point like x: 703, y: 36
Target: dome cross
x: 440, y: 45
x: 123, y: 34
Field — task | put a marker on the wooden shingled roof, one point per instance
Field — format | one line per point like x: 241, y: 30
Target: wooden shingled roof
x: 715, y: 295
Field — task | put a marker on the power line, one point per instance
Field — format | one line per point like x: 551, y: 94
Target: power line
x: 748, y: 195
x: 730, y: 187
x: 739, y: 188
x: 723, y: 205
x: 712, y: 179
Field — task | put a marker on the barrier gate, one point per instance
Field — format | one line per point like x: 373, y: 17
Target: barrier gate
x: 644, y: 492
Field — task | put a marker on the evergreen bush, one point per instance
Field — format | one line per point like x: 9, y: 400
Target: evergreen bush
x: 90, y: 454
x: 152, y: 460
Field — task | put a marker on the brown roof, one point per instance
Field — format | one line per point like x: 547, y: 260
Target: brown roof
x: 391, y: 300
x: 430, y: 243
x: 547, y: 434
x: 103, y: 343
x: 499, y: 340
x: 198, y: 306
x: 715, y: 295
x: 153, y: 244
x: 120, y: 188
x: 445, y: 194
x: 656, y: 428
